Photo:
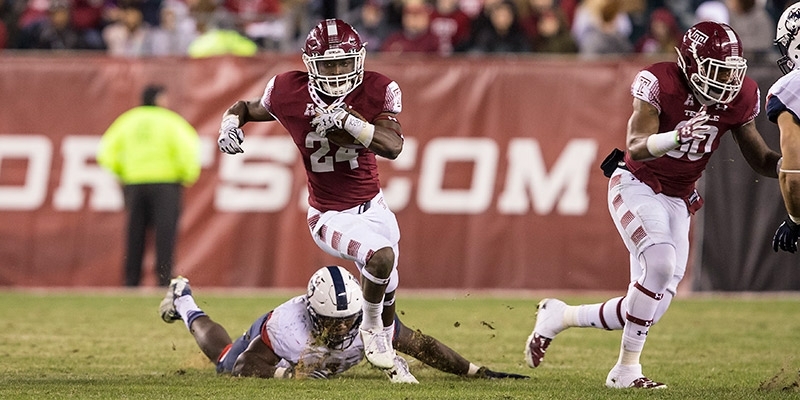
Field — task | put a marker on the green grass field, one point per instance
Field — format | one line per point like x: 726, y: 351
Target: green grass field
x: 113, y: 345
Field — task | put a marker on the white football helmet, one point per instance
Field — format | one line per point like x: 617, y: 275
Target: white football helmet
x: 786, y: 38
x: 334, y: 304
x: 332, y: 40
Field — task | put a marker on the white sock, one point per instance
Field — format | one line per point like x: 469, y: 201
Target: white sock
x: 372, y: 315
x: 389, y: 330
x: 643, y: 307
x: 588, y: 315
x: 187, y: 308
x: 627, y: 357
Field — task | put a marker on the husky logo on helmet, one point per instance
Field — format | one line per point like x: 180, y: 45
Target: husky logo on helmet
x: 710, y: 56
x: 786, y: 38
x: 333, y: 40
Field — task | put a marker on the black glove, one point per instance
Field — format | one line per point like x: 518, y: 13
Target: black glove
x: 486, y: 373
x: 786, y: 236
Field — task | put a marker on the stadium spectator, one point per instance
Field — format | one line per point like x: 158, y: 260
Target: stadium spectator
x: 217, y: 33
x: 481, y: 20
x: 471, y: 7
x: 218, y: 42
x: 602, y: 27
x: 680, y: 114
x: 177, y: 31
x: 684, y: 11
x: 154, y: 153
x: 372, y: 24
x: 451, y: 26
x: 532, y: 10
x: 503, y: 34
x: 87, y: 18
x: 10, y: 11
x: 56, y: 32
x: 129, y: 36
x: 547, y: 28
x: 414, y: 36
x: 313, y: 335
x: 3, y: 35
x: 569, y: 7
x: 712, y: 10
x: 33, y: 11
x: 663, y: 34
x: 262, y: 21
x: 754, y: 25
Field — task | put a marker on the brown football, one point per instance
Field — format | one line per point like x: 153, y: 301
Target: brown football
x: 341, y: 138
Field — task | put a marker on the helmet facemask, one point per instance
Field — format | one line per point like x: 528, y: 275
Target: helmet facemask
x: 719, y: 81
x: 335, y: 333
x: 715, y: 81
x: 335, y: 85
x: 334, y: 303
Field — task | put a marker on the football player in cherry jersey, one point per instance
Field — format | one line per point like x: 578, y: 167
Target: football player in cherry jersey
x: 681, y: 111
x: 348, y: 216
x: 314, y: 335
x: 783, y: 108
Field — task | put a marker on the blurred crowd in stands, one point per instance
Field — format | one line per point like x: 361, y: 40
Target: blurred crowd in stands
x: 199, y: 28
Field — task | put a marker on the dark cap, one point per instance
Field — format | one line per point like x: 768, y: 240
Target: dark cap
x: 150, y: 93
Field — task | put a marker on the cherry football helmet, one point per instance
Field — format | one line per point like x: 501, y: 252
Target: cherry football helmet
x: 786, y: 38
x: 334, y: 304
x: 330, y: 40
x: 710, y: 56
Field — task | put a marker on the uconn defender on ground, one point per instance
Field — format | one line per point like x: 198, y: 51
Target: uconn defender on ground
x: 340, y: 116
x: 314, y: 335
x: 681, y: 111
x: 783, y: 108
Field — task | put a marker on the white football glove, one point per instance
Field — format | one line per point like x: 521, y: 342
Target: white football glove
x: 694, y: 128
x: 328, y: 119
x: 230, y: 135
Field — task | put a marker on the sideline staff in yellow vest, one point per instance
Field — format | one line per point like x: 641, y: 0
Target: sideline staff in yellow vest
x: 154, y: 152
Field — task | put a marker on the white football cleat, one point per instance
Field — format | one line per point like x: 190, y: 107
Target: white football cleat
x: 399, y: 373
x: 378, y: 348
x: 630, y: 376
x: 178, y: 287
x: 549, y: 323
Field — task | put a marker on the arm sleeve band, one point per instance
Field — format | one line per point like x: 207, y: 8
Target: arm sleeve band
x: 361, y: 130
x: 661, y: 143
x: 230, y: 121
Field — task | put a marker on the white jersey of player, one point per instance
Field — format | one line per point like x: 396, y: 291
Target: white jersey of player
x: 289, y: 329
x: 783, y: 95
